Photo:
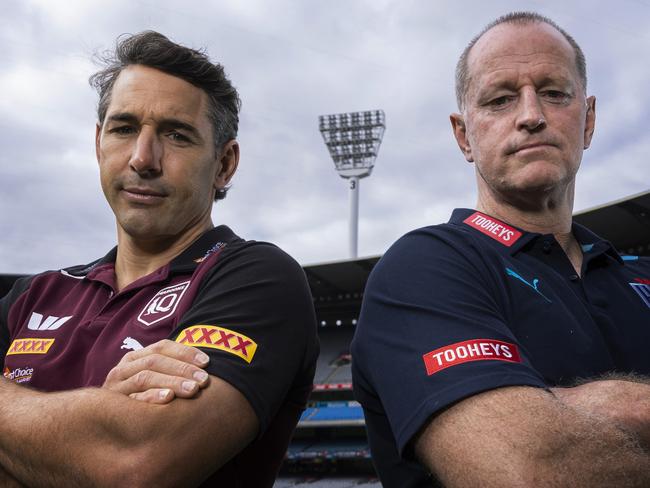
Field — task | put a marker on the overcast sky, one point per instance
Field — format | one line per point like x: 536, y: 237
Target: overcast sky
x: 291, y: 61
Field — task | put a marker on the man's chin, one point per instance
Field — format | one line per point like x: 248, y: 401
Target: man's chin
x: 141, y: 229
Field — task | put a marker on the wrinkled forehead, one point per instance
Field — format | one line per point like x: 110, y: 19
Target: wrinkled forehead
x: 521, y: 46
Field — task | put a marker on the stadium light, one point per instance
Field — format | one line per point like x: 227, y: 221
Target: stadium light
x: 353, y: 141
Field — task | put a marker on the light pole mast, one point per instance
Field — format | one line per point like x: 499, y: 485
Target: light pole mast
x: 353, y: 141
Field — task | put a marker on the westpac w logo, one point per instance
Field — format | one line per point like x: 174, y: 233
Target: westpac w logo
x: 36, y: 322
x: 643, y: 289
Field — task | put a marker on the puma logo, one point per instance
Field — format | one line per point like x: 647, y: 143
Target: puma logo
x: 131, y: 343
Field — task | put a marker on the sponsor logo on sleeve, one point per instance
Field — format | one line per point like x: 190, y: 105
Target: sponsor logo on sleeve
x: 467, y: 351
x: 219, y: 338
x: 18, y: 375
x: 493, y: 228
x: 163, y: 304
x: 30, y: 346
x: 643, y: 290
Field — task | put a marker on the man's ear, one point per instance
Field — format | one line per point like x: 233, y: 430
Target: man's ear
x: 460, y: 133
x: 227, y: 164
x: 98, y: 136
x: 590, y: 120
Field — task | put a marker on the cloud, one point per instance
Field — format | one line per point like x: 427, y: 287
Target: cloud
x: 292, y: 61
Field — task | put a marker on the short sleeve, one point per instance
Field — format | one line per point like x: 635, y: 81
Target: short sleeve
x: 6, y: 304
x: 432, y: 332
x: 254, y: 317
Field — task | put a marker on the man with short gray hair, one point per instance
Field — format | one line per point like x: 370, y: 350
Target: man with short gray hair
x: 509, y: 347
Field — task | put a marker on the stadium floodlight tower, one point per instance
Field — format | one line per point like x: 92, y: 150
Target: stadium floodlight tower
x: 353, y: 141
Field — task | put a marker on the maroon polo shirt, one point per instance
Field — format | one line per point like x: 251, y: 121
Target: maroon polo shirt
x: 244, y: 303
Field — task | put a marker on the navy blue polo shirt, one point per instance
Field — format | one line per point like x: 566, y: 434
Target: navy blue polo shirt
x: 476, y: 304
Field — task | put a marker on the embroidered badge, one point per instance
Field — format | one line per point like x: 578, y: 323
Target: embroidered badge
x: 643, y: 290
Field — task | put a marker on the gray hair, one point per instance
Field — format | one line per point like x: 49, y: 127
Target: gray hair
x: 517, y: 18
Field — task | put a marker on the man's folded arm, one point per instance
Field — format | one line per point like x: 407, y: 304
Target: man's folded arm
x: 622, y: 399
x: 96, y: 437
x: 524, y: 436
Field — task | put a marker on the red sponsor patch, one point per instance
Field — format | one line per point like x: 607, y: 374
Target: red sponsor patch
x: 466, y: 351
x: 493, y: 228
x: 643, y: 281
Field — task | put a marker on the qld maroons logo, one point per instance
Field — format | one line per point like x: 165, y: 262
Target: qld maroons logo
x: 163, y: 304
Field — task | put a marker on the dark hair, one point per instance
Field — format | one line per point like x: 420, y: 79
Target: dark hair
x: 153, y: 49
x: 520, y: 18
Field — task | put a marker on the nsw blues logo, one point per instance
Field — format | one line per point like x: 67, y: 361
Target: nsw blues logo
x: 643, y: 290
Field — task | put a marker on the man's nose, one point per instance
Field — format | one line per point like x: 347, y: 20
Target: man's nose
x: 530, y: 115
x: 147, y: 153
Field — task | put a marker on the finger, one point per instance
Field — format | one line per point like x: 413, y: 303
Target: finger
x: 159, y: 364
x: 165, y: 347
x: 159, y: 396
x: 147, y: 380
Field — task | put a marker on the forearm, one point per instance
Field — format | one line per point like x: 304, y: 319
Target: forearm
x: 96, y: 437
x: 623, y: 400
x: 74, y: 438
x: 522, y: 436
x: 8, y: 481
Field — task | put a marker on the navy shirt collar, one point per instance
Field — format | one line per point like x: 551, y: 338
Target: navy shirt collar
x: 592, y: 244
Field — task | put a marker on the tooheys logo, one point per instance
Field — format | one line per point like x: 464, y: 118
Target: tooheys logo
x: 163, y: 304
x: 30, y: 346
x: 474, y: 350
x: 493, y: 228
x: 219, y: 338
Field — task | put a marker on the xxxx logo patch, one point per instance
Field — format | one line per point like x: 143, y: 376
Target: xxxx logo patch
x: 219, y: 338
x: 30, y: 346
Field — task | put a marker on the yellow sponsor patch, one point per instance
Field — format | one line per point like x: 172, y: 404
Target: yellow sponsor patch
x: 30, y: 346
x: 219, y: 338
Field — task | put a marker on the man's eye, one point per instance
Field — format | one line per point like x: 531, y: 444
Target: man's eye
x: 555, y: 96
x: 122, y: 130
x: 500, y: 102
x: 178, y: 137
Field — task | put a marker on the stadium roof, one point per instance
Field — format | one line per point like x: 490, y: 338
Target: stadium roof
x: 339, y: 277
x: 625, y: 223
x: 337, y: 288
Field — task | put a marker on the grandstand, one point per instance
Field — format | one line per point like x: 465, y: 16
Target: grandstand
x: 330, y: 449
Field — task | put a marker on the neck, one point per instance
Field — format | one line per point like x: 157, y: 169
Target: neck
x: 550, y: 214
x: 544, y: 212
x: 138, y: 257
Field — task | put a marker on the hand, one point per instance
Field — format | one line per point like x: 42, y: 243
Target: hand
x: 625, y: 403
x: 160, y: 372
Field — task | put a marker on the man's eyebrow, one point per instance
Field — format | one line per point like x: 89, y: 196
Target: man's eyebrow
x: 122, y: 117
x: 164, y: 124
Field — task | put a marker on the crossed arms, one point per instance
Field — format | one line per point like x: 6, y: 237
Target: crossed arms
x: 110, y: 437
x: 593, y: 435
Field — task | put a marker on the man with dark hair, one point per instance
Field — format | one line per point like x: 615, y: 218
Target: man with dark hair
x: 506, y: 347
x: 186, y: 354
